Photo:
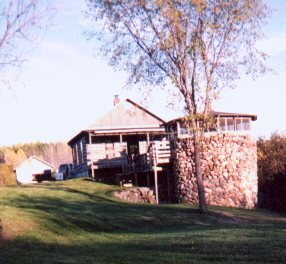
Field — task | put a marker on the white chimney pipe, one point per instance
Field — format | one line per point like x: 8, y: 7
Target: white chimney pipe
x: 116, y: 100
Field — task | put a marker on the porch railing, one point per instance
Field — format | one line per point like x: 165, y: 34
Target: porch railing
x: 158, y: 153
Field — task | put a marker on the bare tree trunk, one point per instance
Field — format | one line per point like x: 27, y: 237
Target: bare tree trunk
x: 198, y: 172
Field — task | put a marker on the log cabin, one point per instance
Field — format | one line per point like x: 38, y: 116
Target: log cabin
x: 114, y: 141
x: 130, y: 140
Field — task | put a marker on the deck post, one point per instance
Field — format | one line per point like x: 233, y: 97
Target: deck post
x: 178, y: 129
x: 136, y: 179
x: 168, y: 185
x: 148, y: 179
x: 156, y: 184
x: 89, y: 138
x: 92, y: 172
x: 148, y: 139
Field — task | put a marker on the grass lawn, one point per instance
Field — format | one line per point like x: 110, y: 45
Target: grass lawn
x: 78, y: 221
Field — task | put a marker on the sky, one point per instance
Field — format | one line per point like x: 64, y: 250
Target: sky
x: 64, y: 87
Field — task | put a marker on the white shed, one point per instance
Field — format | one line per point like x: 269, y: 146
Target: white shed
x: 27, y: 170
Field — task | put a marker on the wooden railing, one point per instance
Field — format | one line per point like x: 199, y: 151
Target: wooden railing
x: 107, y: 155
x: 159, y: 152
x: 114, y: 155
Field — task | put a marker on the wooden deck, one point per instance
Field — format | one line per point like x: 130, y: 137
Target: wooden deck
x: 107, y: 155
x: 158, y: 153
x: 114, y: 155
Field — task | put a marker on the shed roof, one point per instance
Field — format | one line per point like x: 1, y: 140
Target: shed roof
x: 220, y: 114
x: 31, y: 158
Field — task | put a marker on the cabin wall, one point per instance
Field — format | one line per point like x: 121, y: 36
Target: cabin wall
x: 229, y: 168
x: 79, y: 152
x: 107, y: 155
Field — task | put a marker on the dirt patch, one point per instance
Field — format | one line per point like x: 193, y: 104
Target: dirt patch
x: 8, y: 231
x: 11, y: 227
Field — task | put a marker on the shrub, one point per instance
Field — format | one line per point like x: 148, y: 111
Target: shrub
x: 272, y: 172
x: 7, y: 176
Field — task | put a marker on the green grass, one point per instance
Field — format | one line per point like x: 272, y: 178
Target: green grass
x: 78, y: 221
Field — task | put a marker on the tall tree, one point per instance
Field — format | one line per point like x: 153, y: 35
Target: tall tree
x: 200, y: 45
x: 19, y: 20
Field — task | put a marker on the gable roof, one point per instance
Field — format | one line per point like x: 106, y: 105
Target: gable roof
x: 31, y: 158
x: 127, y: 114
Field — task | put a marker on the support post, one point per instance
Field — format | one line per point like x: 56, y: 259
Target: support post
x: 178, y: 129
x: 168, y: 185
x: 92, y: 172
x: 156, y: 184
x: 148, y: 179
x: 136, y: 179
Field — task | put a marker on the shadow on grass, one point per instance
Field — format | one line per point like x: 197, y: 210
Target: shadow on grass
x: 86, y: 225
x: 189, y: 248
x: 66, y: 209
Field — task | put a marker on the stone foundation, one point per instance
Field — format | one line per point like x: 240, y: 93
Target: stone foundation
x: 136, y: 195
x: 229, y: 168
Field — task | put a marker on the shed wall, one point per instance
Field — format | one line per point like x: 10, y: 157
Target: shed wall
x: 28, y: 168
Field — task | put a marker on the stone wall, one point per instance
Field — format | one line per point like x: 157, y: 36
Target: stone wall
x: 229, y: 167
x: 136, y: 195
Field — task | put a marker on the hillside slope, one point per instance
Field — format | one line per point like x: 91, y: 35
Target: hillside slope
x: 78, y: 221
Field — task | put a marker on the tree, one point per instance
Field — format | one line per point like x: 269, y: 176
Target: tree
x: 19, y: 20
x: 14, y: 157
x: 200, y: 45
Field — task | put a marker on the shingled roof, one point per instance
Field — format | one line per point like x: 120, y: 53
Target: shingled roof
x: 125, y: 116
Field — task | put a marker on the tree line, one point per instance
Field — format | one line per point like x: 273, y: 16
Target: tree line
x: 54, y: 153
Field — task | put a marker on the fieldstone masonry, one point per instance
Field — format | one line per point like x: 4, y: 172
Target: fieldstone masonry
x: 136, y: 195
x: 229, y: 167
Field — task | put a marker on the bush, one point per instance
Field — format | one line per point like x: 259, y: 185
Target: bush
x: 7, y: 176
x: 272, y: 172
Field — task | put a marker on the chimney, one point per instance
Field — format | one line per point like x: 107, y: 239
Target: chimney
x: 116, y: 100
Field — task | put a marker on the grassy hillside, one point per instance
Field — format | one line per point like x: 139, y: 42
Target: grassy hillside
x: 78, y: 221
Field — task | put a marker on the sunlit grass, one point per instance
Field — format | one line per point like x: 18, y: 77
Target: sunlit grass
x: 79, y: 221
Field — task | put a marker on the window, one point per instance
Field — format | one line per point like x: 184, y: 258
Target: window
x: 222, y: 124
x: 238, y: 124
x: 226, y: 124
x: 76, y: 154
x: 230, y: 124
x: 80, y: 151
x: 242, y: 124
x: 245, y: 124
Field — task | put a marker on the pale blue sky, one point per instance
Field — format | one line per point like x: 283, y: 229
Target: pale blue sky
x: 63, y: 88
